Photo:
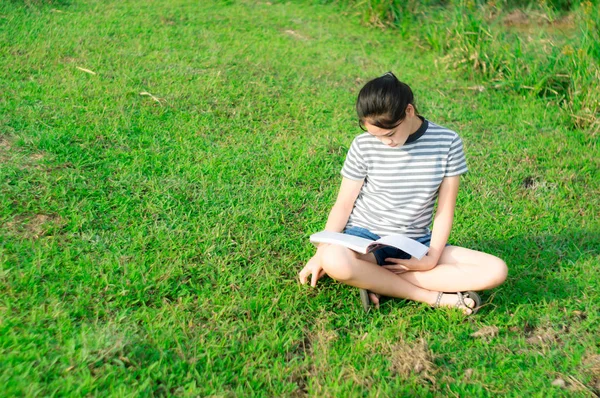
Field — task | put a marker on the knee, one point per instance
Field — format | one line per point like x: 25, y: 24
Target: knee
x: 337, y: 261
x: 498, y: 271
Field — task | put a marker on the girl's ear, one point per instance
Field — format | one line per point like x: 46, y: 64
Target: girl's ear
x: 410, y: 110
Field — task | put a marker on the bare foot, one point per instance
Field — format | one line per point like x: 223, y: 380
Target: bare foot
x: 451, y: 300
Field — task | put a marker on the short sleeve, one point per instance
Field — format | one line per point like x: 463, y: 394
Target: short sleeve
x: 457, y: 163
x: 355, y: 167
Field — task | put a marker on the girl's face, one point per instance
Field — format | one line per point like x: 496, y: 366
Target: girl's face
x: 391, y: 138
x: 399, y: 134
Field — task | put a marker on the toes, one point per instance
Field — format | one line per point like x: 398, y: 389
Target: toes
x: 470, y: 303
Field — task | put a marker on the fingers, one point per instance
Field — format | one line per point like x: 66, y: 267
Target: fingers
x: 316, y: 275
x: 396, y: 260
x: 303, y: 274
x: 302, y: 277
x: 315, y: 272
x: 314, y: 279
x: 399, y: 272
x: 395, y: 267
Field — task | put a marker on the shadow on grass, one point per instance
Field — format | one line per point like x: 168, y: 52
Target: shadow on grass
x: 547, y: 267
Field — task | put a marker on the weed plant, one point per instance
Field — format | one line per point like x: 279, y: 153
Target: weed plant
x: 547, y: 49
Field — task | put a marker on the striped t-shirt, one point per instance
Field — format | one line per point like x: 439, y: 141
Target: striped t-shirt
x: 401, y: 184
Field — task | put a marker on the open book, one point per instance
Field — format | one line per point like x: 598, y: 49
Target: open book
x: 362, y: 245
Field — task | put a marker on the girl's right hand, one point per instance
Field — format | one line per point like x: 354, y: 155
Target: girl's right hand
x: 313, y: 267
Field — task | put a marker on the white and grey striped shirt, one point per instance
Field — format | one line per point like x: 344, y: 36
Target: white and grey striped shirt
x: 402, y: 183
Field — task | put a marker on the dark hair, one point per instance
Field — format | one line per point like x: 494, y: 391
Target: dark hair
x: 383, y: 101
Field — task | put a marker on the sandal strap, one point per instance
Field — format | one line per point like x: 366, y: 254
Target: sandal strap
x: 461, y: 301
x: 439, y: 299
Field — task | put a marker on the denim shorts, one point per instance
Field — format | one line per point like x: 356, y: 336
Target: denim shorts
x: 385, y: 252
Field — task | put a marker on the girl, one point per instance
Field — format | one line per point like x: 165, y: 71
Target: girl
x: 392, y: 176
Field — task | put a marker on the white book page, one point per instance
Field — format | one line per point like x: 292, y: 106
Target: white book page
x: 360, y: 245
x: 355, y: 243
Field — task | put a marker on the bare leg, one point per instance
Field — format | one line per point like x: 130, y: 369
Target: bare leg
x: 344, y: 265
x: 459, y: 270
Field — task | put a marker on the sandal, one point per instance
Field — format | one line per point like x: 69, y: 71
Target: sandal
x: 365, y: 300
x: 461, y: 300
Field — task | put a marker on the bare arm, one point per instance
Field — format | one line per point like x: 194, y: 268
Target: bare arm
x: 340, y: 212
x: 338, y: 217
x: 444, y: 216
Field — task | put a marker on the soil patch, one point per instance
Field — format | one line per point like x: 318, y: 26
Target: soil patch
x: 313, y: 352
x: 486, y: 332
x: 544, y: 335
x: 516, y: 17
x: 4, y: 144
x: 591, y: 365
x: 529, y: 22
x: 31, y: 227
x: 11, y: 155
x: 410, y: 359
x: 5, y: 148
x: 296, y: 35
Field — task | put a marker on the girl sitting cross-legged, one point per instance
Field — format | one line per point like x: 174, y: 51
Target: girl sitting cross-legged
x: 392, y: 176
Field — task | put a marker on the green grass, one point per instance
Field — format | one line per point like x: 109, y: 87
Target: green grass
x: 151, y: 246
x: 549, y: 49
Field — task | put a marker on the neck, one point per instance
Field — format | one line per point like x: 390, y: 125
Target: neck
x: 416, y: 124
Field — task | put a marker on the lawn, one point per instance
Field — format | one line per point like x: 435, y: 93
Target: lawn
x: 162, y: 164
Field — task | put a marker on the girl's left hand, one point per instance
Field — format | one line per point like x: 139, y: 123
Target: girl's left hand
x: 426, y: 263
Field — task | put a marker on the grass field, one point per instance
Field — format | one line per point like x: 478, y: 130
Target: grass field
x: 162, y: 164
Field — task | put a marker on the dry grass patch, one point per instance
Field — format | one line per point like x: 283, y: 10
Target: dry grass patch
x: 410, y: 359
x: 4, y: 144
x: 414, y: 358
x: 317, y: 351
x: 591, y: 366
x: 516, y: 17
x: 296, y: 35
x: 320, y: 339
x: 11, y: 155
x: 299, y: 374
x: 36, y: 157
x: 544, y: 335
x: 32, y: 227
x: 313, y: 350
x: 5, y: 149
x: 486, y: 332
